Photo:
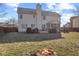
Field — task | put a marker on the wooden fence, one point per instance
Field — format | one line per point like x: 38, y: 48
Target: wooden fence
x: 1, y: 29
x: 8, y: 29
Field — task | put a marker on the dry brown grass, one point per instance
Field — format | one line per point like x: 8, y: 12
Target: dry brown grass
x: 67, y: 46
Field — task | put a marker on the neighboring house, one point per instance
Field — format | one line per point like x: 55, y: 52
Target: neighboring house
x: 36, y: 18
x: 74, y: 23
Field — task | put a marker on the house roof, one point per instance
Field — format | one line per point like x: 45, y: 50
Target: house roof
x: 49, y: 13
x: 32, y: 11
x: 74, y: 17
x: 52, y: 22
x: 25, y: 11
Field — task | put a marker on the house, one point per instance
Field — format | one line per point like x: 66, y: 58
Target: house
x: 37, y: 18
x: 74, y: 23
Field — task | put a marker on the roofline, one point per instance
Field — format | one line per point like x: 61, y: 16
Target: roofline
x: 73, y: 17
x: 34, y: 10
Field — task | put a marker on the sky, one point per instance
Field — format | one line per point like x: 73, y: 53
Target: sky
x: 66, y: 10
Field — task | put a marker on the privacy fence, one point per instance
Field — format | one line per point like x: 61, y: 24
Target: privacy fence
x: 8, y: 29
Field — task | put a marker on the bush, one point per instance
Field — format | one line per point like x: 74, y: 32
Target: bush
x: 29, y: 30
x: 52, y: 31
x: 35, y: 30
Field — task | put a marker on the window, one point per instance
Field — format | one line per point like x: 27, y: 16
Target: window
x: 32, y: 25
x: 24, y: 26
x: 43, y: 27
x: 20, y: 16
x: 43, y: 17
x: 53, y: 25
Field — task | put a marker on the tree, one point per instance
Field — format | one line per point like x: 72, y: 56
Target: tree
x: 7, y: 21
x: 12, y: 20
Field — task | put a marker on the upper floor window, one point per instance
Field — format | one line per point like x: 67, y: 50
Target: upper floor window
x: 53, y: 25
x: 20, y: 16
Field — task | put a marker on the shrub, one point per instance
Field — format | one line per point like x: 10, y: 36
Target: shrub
x: 52, y: 31
x: 35, y: 30
x: 29, y: 30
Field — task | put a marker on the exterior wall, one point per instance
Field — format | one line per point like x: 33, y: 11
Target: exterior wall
x: 38, y: 17
x: 26, y: 21
x: 55, y: 21
x: 52, y: 19
x: 75, y: 23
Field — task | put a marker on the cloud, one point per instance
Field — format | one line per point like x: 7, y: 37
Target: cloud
x: 13, y: 5
x: 66, y: 6
x: 60, y: 6
x: 66, y: 18
x: 3, y: 19
x: 50, y: 6
x: 68, y: 15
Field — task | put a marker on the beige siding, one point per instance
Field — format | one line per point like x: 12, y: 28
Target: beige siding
x: 29, y: 19
x: 75, y: 22
x: 39, y: 22
x: 26, y: 21
x: 51, y: 19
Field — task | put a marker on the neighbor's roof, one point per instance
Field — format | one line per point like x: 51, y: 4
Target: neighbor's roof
x: 32, y: 11
x: 74, y: 17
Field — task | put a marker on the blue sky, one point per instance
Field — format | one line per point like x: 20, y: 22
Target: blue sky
x: 66, y: 10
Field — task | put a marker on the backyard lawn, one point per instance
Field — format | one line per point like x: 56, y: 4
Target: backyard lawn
x: 68, y: 45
